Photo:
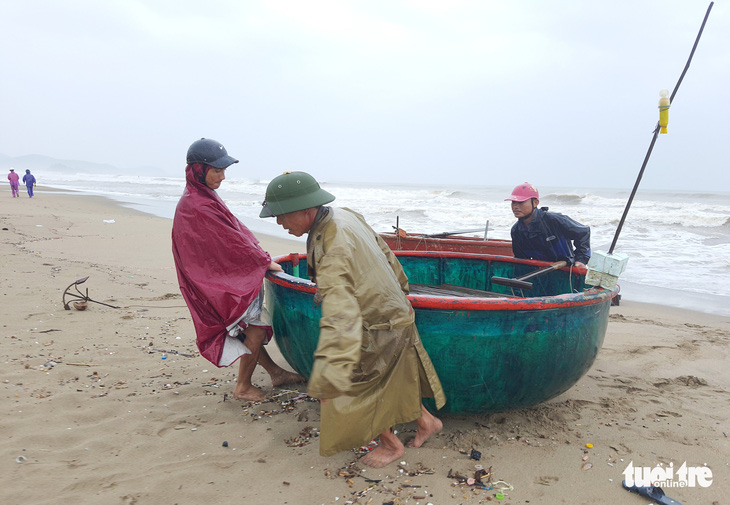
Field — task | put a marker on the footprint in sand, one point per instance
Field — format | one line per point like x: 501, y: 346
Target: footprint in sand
x: 177, y: 427
x: 668, y: 413
x: 683, y: 380
x: 166, y: 296
x: 546, y: 480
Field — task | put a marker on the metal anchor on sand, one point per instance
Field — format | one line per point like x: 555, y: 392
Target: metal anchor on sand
x: 84, y: 298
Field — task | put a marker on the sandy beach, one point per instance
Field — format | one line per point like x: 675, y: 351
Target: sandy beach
x: 115, y: 405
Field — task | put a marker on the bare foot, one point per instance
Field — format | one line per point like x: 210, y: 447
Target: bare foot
x: 284, y: 377
x: 427, y: 425
x: 389, y: 450
x: 251, y: 394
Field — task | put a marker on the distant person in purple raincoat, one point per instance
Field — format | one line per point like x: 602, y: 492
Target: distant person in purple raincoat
x: 29, y: 180
x: 14, y: 186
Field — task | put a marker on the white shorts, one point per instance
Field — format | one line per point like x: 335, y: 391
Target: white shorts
x: 254, y: 315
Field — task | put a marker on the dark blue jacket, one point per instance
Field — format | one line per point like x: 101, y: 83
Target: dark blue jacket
x: 549, y: 237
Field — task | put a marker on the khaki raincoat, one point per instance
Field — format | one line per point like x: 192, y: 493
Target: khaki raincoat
x: 369, y: 360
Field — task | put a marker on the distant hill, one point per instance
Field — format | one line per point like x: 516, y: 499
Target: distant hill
x: 39, y: 163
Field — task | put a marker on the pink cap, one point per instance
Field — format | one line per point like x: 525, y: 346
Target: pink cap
x: 523, y: 192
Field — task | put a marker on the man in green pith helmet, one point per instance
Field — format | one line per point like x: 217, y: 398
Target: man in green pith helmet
x: 370, y: 368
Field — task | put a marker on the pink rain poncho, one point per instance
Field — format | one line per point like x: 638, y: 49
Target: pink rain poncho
x: 14, y: 185
x: 220, y: 266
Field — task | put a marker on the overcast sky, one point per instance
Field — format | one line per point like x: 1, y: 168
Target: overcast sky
x: 560, y: 93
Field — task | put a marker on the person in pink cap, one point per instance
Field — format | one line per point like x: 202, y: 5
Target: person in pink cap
x: 547, y: 236
x: 14, y: 184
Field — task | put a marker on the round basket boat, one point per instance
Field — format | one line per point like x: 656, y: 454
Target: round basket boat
x: 495, y: 348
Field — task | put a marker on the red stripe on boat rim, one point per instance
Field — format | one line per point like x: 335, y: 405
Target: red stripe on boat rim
x: 589, y: 297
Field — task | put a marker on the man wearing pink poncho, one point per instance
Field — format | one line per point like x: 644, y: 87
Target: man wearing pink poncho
x: 14, y: 184
x: 220, y: 268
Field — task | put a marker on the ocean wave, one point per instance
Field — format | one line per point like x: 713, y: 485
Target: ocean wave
x: 466, y: 195
x: 414, y: 214
x: 703, y: 196
x: 689, y: 196
x: 136, y: 180
x: 661, y: 216
x: 566, y: 199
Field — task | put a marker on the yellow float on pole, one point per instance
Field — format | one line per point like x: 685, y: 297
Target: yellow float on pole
x: 664, y: 110
x: 605, y: 268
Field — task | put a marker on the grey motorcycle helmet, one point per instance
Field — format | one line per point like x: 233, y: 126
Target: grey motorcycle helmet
x: 211, y: 152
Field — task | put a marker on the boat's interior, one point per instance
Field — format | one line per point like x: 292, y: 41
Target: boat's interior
x: 451, y: 275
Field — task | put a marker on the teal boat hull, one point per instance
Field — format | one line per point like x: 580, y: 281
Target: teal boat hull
x: 491, y: 354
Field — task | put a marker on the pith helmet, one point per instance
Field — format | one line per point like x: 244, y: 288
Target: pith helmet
x: 210, y: 152
x: 293, y: 191
x: 523, y: 192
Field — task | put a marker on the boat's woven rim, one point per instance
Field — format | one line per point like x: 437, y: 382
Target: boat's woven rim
x: 588, y: 297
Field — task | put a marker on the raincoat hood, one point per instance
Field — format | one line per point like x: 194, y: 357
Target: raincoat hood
x: 220, y: 265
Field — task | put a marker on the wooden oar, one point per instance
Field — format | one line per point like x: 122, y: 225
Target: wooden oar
x: 447, y: 233
x: 521, y: 282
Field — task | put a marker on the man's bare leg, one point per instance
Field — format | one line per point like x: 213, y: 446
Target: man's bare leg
x: 245, y: 390
x: 279, y: 376
x: 389, y: 450
x: 427, y: 425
